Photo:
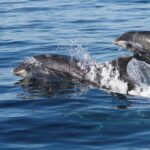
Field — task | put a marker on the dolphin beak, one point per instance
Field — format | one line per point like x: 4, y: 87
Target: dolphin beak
x: 120, y: 43
x: 115, y: 42
x: 21, y: 72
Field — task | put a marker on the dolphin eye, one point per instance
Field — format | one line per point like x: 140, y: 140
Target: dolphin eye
x: 27, y: 67
x: 129, y: 46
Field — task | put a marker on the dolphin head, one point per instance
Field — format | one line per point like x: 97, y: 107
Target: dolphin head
x: 129, y: 41
x: 22, y: 70
x: 27, y: 67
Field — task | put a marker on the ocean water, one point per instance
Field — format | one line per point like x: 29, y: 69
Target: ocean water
x: 69, y: 117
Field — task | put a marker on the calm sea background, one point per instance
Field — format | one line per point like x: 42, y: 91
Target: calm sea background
x: 69, y: 118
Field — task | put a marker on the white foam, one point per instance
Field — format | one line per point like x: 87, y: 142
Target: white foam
x: 141, y: 91
x: 108, y: 78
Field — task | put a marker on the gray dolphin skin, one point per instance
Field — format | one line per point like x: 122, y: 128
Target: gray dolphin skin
x: 137, y: 42
x: 49, y: 67
x: 138, y: 68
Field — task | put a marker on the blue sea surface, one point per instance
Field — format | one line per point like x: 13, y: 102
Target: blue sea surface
x: 69, y: 118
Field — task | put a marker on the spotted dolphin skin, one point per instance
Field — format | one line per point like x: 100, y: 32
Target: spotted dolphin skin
x: 49, y: 67
x: 137, y: 42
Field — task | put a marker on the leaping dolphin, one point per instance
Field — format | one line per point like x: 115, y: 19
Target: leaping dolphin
x: 132, y: 70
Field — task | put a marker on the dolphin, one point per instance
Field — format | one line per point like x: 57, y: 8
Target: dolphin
x: 138, y: 42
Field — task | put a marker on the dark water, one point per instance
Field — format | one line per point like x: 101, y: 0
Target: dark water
x: 76, y: 118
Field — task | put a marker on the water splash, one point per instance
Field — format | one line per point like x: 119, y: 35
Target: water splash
x: 107, y: 77
x: 78, y: 51
x: 32, y: 60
